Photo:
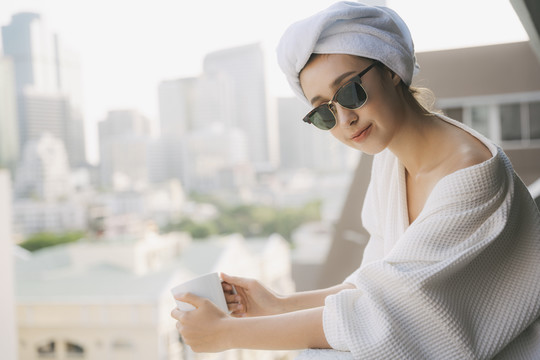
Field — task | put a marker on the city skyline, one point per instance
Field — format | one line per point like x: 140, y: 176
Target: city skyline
x: 123, y: 65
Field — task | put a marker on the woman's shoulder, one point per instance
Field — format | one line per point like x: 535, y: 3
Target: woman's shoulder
x: 469, y: 152
x: 468, y: 148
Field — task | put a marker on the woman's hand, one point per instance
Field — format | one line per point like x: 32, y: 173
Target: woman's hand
x: 205, y: 328
x: 251, y: 297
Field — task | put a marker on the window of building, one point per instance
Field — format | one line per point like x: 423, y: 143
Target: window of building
x: 480, y: 119
x: 74, y: 350
x: 47, y: 350
x: 510, y: 115
x: 122, y: 345
x: 534, y: 120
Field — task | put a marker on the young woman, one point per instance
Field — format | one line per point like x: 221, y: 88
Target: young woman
x: 451, y: 270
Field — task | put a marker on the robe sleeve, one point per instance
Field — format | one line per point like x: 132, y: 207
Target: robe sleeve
x: 460, y: 283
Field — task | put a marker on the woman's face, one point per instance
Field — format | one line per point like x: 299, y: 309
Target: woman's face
x: 369, y: 128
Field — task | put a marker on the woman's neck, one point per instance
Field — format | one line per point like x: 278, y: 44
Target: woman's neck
x: 418, y: 141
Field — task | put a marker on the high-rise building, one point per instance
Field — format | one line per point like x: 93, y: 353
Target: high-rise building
x: 177, y: 106
x: 47, y: 83
x: 42, y: 113
x: 216, y: 158
x: 235, y: 94
x: 9, y: 137
x: 124, y: 138
x: 43, y: 171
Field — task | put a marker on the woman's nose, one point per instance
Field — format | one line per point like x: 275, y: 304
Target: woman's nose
x: 345, y: 117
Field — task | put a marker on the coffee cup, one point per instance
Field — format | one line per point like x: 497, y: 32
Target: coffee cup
x: 207, y: 286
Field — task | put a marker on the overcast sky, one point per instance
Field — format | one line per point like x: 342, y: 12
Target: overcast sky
x: 128, y: 46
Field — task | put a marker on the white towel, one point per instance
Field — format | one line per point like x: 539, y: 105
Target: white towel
x: 374, y: 32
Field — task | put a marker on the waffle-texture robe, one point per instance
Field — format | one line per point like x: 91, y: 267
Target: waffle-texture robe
x: 462, y: 281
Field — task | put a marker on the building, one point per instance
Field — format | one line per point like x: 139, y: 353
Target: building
x: 43, y: 171
x: 9, y: 132
x: 122, y: 212
x: 177, y: 100
x: 8, y: 332
x: 494, y: 89
x: 106, y: 300
x: 47, y: 84
x: 234, y: 84
x: 111, y: 299
x: 31, y: 216
x: 124, y: 142
x: 304, y: 146
x: 230, y: 96
x: 177, y: 107
x: 49, y: 196
x: 217, y: 158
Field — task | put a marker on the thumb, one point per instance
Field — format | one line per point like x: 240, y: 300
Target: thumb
x: 190, y: 299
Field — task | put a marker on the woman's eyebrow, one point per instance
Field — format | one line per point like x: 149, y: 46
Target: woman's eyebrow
x: 340, y: 78
x: 335, y: 83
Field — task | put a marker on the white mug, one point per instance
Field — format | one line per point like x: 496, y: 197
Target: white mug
x: 207, y: 286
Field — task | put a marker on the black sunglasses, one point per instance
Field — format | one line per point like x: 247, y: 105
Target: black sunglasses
x: 351, y: 95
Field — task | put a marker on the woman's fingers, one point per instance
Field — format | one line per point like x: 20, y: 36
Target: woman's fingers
x: 234, y: 303
x: 237, y: 281
x: 227, y: 287
x: 233, y: 299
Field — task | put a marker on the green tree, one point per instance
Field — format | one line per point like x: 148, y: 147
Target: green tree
x: 45, y: 239
x: 251, y: 220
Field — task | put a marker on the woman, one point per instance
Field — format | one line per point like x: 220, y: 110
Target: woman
x: 451, y: 270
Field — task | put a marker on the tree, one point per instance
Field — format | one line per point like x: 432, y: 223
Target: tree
x: 45, y: 239
x: 251, y: 221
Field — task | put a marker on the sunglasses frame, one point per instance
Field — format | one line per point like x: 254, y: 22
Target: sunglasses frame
x: 330, y: 104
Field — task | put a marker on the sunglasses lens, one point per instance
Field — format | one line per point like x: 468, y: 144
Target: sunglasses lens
x: 322, y: 117
x: 351, y: 96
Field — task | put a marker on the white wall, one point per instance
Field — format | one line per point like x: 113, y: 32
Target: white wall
x: 8, y: 334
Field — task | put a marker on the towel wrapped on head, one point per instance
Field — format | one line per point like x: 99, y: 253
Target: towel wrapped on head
x: 373, y: 32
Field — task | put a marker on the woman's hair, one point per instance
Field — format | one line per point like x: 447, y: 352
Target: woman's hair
x: 420, y: 98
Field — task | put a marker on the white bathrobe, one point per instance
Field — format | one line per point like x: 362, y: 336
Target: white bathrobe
x: 461, y: 282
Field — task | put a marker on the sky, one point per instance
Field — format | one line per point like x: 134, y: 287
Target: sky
x: 127, y: 47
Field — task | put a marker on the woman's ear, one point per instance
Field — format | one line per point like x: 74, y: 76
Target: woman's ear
x: 395, y: 78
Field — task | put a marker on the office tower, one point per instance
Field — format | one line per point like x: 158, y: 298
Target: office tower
x: 295, y: 137
x: 43, y: 171
x: 9, y: 137
x: 47, y: 83
x: 233, y: 91
x: 177, y: 103
x: 124, y: 138
x: 176, y: 106
x: 216, y: 158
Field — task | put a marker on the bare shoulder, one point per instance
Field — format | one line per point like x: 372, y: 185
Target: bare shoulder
x: 469, y: 151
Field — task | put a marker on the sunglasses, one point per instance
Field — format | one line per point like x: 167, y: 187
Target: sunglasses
x: 351, y: 95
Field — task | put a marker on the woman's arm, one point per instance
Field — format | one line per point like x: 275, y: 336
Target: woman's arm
x: 310, y: 299
x: 208, y: 329
x: 301, y: 329
x: 251, y: 298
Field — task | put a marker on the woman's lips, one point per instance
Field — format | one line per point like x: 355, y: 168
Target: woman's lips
x: 361, y: 135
